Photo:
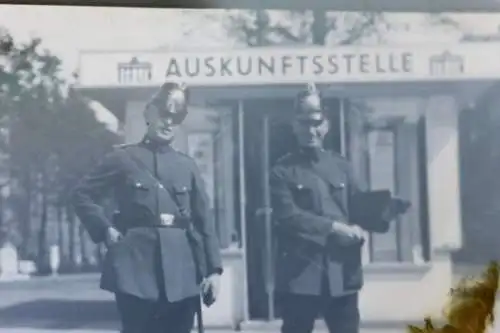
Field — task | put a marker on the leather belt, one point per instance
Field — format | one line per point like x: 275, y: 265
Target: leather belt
x: 175, y: 225
x: 158, y: 226
x: 150, y: 222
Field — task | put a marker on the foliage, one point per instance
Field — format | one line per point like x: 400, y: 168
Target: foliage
x: 50, y: 137
x: 471, y: 306
x: 267, y: 27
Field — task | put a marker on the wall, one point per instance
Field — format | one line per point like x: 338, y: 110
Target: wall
x: 393, y: 163
x: 481, y: 190
x: 442, y: 160
x: 443, y: 173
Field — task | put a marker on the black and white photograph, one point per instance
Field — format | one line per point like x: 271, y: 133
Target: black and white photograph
x: 325, y: 167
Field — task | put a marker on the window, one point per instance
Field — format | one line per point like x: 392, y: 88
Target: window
x: 210, y: 143
x: 393, y: 163
x: 381, y: 143
x: 386, y: 153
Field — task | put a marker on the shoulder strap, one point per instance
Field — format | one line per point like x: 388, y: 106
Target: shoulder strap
x: 151, y: 175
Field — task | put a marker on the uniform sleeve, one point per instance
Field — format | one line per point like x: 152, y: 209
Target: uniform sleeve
x: 206, y: 225
x: 87, y: 196
x: 304, y: 224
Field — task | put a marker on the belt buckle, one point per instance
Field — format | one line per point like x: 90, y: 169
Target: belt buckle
x: 167, y: 220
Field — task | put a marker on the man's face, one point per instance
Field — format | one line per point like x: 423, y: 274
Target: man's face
x: 160, y: 128
x: 164, y: 120
x: 310, y: 130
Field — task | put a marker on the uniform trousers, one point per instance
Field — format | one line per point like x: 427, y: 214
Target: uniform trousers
x: 299, y: 312
x: 144, y: 316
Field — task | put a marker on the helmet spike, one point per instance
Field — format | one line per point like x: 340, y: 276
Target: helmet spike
x: 311, y: 88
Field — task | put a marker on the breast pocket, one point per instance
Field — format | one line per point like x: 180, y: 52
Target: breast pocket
x: 303, y: 195
x: 139, y: 191
x: 182, y: 193
x: 337, y: 185
x: 338, y: 188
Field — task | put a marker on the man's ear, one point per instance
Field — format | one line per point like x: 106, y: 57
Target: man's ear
x: 149, y: 113
x: 325, y: 128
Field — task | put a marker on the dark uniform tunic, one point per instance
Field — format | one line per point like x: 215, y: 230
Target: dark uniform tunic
x: 315, y: 274
x: 151, y: 260
x: 310, y: 190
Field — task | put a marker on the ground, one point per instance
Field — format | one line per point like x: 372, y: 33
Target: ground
x: 70, y: 304
x: 65, y: 304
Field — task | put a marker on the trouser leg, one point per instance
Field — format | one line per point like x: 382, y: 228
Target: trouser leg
x: 299, y: 313
x: 136, y: 314
x: 176, y: 317
x: 342, y: 314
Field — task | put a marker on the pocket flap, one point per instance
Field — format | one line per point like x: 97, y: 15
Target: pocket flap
x: 181, y: 188
x: 297, y: 185
x: 138, y: 184
x: 338, y: 182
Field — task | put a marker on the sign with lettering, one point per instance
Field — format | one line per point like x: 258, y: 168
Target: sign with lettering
x: 334, y: 64
x: 262, y: 66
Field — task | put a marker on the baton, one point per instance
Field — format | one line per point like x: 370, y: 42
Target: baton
x: 199, y: 317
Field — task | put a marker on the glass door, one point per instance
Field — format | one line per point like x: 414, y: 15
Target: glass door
x: 267, y: 138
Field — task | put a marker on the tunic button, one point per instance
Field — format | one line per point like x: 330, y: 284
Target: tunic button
x: 300, y: 186
x: 160, y: 186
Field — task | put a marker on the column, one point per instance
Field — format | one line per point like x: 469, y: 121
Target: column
x: 443, y: 178
x: 407, y: 187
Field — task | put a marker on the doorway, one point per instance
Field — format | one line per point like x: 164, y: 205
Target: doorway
x: 268, y: 137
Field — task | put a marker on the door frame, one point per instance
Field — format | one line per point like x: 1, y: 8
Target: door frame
x: 265, y: 211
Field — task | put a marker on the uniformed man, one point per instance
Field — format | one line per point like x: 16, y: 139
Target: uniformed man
x: 162, y: 245
x: 318, y: 266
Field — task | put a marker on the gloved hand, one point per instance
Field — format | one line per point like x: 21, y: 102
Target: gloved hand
x: 210, y: 289
x: 112, y: 236
x: 348, y: 233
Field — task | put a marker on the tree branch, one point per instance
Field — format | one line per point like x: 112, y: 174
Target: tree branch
x: 285, y: 33
x: 359, y: 31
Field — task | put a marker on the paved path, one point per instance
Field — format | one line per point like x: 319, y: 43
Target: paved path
x: 71, y: 304
x: 66, y: 304
x: 56, y: 304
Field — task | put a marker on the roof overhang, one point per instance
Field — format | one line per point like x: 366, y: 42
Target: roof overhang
x: 465, y: 91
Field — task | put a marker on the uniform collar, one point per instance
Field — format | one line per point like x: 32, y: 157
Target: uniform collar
x: 311, y: 154
x: 155, y: 145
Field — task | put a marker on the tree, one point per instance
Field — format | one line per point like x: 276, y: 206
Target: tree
x: 265, y: 27
x: 36, y: 100
x: 86, y: 141
x: 53, y: 138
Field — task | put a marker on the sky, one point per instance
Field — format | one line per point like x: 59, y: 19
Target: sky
x: 67, y: 30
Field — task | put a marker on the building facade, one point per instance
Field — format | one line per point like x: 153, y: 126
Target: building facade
x: 395, y: 114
